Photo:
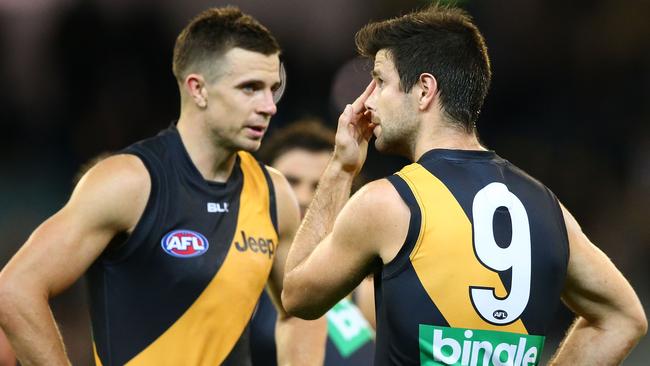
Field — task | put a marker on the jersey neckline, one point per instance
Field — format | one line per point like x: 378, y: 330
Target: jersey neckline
x: 457, y: 154
x: 193, y: 172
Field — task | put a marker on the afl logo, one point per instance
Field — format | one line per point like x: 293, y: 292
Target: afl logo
x: 500, y: 314
x: 184, y: 243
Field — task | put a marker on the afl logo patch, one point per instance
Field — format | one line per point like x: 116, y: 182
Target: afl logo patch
x: 184, y: 243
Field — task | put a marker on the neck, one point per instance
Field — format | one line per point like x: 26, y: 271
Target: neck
x: 214, y: 161
x: 445, y: 137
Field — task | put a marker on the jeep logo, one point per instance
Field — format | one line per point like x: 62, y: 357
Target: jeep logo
x: 260, y: 245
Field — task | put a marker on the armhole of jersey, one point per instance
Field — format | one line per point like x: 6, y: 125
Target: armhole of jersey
x: 398, y: 263
x: 562, y: 224
x: 272, y: 203
x: 147, y: 219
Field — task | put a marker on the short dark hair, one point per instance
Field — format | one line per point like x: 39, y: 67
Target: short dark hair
x: 307, y: 134
x: 214, y: 32
x: 442, y: 41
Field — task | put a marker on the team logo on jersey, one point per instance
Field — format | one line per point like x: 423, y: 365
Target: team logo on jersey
x: 500, y: 314
x: 184, y: 243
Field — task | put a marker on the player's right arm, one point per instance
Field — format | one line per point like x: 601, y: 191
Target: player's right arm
x: 109, y: 199
x: 610, y: 316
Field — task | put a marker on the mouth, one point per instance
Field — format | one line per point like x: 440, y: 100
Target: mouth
x: 255, y: 131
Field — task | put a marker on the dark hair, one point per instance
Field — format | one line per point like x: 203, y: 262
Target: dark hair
x: 442, y: 41
x: 214, y: 32
x: 308, y: 134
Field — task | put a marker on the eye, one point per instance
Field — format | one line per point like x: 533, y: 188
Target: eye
x: 249, y: 88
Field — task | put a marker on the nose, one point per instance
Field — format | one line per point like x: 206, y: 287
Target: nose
x: 267, y: 106
x: 370, y: 101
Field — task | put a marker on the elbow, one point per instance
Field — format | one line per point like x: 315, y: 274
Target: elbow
x: 297, y: 302
x: 633, y: 322
x: 641, y: 324
x: 636, y: 321
x: 298, y: 309
x: 16, y: 297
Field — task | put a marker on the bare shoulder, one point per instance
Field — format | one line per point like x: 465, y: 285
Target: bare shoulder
x: 283, y: 189
x: 377, y: 215
x: 124, y: 170
x: 279, y: 181
x: 378, y: 193
x: 116, y: 189
x: 378, y: 204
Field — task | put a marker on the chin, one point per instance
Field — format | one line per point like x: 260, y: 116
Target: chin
x: 250, y: 144
x: 388, y: 147
x: 380, y: 145
x: 251, y: 148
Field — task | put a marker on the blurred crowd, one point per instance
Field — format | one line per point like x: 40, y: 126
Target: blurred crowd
x: 569, y: 103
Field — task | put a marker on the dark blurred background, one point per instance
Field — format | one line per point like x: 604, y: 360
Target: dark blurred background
x: 569, y: 103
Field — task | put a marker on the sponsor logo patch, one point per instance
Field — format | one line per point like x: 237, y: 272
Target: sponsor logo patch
x: 259, y: 245
x: 472, y: 347
x: 184, y: 243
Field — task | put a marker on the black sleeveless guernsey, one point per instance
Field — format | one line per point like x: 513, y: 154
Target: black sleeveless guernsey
x: 479, y: 276
x: 182, y: 288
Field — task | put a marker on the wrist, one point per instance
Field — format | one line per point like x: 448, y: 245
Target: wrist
x: 339, y: 170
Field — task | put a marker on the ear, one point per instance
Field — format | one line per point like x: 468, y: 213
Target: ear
x: 427, y: 89
x: 195, y: 87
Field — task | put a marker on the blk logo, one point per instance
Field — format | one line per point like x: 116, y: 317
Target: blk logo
x: 218, y: 207
x: 260, y: 245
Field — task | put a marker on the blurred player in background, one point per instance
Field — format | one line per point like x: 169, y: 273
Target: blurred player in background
x: 301, y: 152
x: 179, y: 233
x: 471, y: 254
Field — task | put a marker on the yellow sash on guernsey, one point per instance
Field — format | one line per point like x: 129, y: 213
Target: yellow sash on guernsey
x: 443, y: 256
x: 206, y: 333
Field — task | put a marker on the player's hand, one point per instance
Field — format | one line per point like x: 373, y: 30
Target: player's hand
x: 353, y: 133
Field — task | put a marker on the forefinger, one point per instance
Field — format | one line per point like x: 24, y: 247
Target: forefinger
x: 358, y: 105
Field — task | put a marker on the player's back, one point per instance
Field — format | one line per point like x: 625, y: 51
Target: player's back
x: 479, y: 276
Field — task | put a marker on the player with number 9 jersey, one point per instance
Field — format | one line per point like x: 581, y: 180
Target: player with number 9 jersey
x: 470, y: 254
x: 482, y: 266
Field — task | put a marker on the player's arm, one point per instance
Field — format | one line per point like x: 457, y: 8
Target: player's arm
x: 299, y: 342
x: 109, y: 199
x: 370, y: 227
x: 336, y: 247
x: 610, y: 317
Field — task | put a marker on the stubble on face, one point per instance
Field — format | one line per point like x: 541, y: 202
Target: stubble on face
x: 394, y: 111
x: 399, y: 129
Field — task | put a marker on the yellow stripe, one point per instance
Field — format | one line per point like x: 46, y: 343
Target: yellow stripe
x: 443, y: 256
x: 206, y: 333
x: 98, y: 361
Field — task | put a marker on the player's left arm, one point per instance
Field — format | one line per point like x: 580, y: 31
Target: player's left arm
x: 299, y: 342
